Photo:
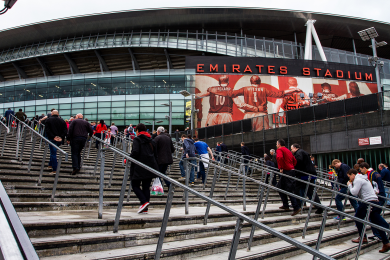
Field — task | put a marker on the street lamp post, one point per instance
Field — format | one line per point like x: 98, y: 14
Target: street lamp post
x: 170, y: 115
x: 147, y: 122
x: 185, y: 93
x: 371, y: 34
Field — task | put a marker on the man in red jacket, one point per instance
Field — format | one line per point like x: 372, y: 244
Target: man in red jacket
x: 286, y: 163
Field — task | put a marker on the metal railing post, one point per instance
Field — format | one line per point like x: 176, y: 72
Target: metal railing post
x: 228, y: 183
x: 101, y: 184
x: 309, y: 212
x: 363, y: 232
x: 97, y: 158
x: 112, y: 170
x: 187, y: 171
x: 206, y: 215
x: 236, y: 239
x: 84, y: 151
x: 256, y: 217
x: 128, y: 193
x: 42, y: 165
x: 164, y: 222
x: 121, y: 197
x: 31, y: 154
x: 17, y: 140
x: 266, y: 197
x: 243, y: 188
x: 56, y: 178
x: 321, y: 232
x: 23, y: 145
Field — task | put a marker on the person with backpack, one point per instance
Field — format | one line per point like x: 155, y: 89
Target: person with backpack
x: 145, y: 151
x: 189, y: 150
x: 376, y: 181
x: 360, y: 186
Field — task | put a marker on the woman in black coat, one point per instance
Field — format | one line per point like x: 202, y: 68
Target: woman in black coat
x: 144, y: 150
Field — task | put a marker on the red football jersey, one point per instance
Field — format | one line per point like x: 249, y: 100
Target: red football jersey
x: 257, y: 96
x: 219, y: 103
x: 292, y: 101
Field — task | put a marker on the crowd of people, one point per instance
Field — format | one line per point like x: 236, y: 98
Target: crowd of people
x: 155, y: 150
x: 361, y: 181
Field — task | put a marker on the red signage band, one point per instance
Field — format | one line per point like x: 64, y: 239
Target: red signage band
x: 283, y: 70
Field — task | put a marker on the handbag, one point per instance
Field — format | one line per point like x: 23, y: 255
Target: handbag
x: 157, y: 188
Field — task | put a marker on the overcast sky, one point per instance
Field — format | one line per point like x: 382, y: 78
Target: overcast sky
x: 32, y: 11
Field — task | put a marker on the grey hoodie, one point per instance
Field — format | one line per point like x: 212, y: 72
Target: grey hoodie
x: 362, y: 188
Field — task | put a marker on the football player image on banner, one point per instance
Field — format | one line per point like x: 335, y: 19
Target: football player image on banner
x: 335, y: 90
x: 256, y: 96
x: 226, y: 98
x: 293, y: 100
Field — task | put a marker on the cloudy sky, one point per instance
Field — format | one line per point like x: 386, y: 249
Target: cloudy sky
x: 32, y: 11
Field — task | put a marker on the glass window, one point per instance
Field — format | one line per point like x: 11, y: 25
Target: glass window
x: 178, y: 102
x: 132, y: 103
x: 104, y: 104
x: 118, y: 104
x: 132, y: 116
x: 133, y: 91
x: 91, y: 111
x: 78, y: 105
x: 118, y: 116
x: 178, y: 109
x: 147, y: 103
x: 91, y: 105
x: 132, y: 109
x: 146, y: 109
x: 148, y: 116
x: 103, y: 110
x: 64, y: 112
x: 118, y: 110
x: 65, y: 106
x: 105, y: 117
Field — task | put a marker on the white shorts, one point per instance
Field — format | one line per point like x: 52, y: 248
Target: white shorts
x: 218, y: 118
x: 257, y: 120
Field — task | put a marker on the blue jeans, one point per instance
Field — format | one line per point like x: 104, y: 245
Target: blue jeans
x: 53, y: 155
x: 202, y: 172
x: 375, y: 217
x: 183, y: 172
x: 339, y: 200
x: 387, y: 195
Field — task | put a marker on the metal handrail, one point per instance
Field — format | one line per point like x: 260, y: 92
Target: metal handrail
x: 35, y: 134
x: 25, y: 246
x: 296, y: 196
x: 241, y: 217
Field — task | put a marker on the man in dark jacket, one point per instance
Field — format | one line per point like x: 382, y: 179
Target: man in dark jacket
x: 56, y: 131
x: 8, y: 114
x: 385, y: 175
x: 286, y: 163
x: 177, y: 133
x: 79, y: 130
x: 21, y: 115
x: 218, y: 151
x: 304, y: 165
x: 165, y: 149
x: 224, y: 149
x: 342, y: 178
x: 144, y: 150
x: 189, y: 150
x: 245, y: 154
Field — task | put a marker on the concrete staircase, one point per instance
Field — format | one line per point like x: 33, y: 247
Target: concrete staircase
x: 69, y: 228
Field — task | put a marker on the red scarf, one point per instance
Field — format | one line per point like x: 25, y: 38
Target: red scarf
x: 144, y: 133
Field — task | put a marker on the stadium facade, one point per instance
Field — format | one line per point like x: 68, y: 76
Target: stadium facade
x: 122, y: 66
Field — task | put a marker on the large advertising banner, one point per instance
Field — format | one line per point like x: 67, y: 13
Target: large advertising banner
x: 224, y: 98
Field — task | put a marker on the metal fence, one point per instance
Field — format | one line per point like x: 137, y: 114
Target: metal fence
x: 319, y: 129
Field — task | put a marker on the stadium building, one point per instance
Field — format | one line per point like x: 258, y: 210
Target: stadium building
x: 122, y: 66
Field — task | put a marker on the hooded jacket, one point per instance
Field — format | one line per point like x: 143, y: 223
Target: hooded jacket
x: 145, y: 151
x: 189, y: 148
x: 362, y: 188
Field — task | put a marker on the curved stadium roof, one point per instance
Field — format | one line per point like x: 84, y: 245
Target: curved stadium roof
x: 334, y: 31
